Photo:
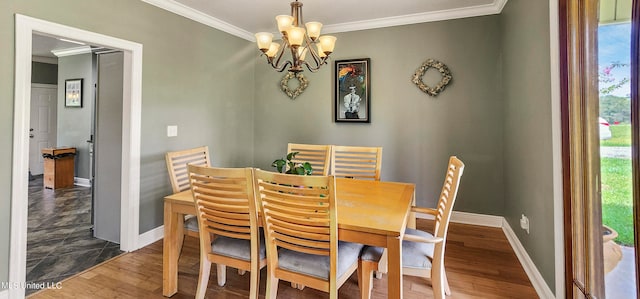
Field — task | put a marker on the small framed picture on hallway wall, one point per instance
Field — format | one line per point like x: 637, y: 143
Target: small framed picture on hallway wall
x: 73, y: 93
x: 352, y: 90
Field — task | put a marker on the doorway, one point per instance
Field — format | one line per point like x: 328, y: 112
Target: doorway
x: 614, y: 45
x: 590, y: 172
x: 63, y: 236
x: 25, y: 27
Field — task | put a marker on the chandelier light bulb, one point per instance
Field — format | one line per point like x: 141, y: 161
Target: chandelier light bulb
x: 264, y: 40
x: 284, y: 22
x: 313, y: 29
x: 295, y: 36
x: 328, y: 42
x: 273, y: 50
x: 320, y: 52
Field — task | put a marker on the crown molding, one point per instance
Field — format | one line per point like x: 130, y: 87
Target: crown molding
x: 43, y: 59
x: 458, y: 13
x: 190, y: 13
x: 441, y: 15
x: 71, y: 51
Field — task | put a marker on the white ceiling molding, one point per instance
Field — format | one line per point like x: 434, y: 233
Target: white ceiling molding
x: 450, y: 14
x: 42, y: 59
x: 472, y: 11
x: 190, y: 13
x: 72, y: 51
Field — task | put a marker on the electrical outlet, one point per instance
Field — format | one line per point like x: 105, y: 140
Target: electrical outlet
x: 524, y: 223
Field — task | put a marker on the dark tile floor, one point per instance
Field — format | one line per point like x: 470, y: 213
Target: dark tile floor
x: 60, y: 241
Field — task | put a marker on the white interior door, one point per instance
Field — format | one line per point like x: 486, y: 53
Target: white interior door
x: 43, y: 123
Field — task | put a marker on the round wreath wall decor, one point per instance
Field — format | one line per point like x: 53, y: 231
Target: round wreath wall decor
x: 441, y: 67
x: 302, y: 84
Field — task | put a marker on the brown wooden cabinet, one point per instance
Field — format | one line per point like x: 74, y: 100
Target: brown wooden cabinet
x: 58, y: 167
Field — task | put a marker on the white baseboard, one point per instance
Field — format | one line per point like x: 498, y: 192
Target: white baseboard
x: 150, y: 237
x: 4, y: 294
x: 470, y: 218
x: 530, y: 268
x: 82, y: 182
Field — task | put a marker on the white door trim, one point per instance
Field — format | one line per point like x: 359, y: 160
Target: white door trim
x: 25, y: 26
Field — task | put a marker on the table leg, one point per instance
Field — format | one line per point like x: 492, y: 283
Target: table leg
x: 394, y: 260
x: 170, y: 252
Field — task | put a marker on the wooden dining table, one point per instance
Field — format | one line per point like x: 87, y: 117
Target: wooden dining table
x: 369, y: 212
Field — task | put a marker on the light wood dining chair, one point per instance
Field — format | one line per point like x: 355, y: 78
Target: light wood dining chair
x: 317, y: 155
x: 178, y: 175
x: 359, y: 162
x: 300, y: 218
x: 229, y: 227
x: 422, y: 252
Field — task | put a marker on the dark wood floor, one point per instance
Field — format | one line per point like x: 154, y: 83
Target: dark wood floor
x: 479, y: 262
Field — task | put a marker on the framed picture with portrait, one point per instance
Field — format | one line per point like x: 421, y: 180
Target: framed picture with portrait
x: 73, y: 93
x: 352, y: 93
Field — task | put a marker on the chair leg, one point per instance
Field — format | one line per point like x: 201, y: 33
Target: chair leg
x: 377, y: 274
x: 365, y: 273
x: 221, y: 270
x: 272, y: 287
x: 447, y: 289
x: 297, y: 286
x: 437, y: 283
x: 203, y: 278
x: 180, y: 244
x: 255, y: 283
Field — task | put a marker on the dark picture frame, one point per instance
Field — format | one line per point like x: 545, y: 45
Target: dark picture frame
x: 73, y: 93
x: 352, y: 90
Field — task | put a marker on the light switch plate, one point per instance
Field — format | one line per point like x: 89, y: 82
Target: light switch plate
x: 172, y: 131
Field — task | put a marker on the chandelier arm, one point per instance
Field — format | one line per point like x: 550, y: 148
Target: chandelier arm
x: 313, y: 51
x: 314, y: 69
x: 285, y: 45
x: 284, y: 66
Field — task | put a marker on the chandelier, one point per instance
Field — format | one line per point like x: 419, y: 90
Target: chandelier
x: 298, y: 41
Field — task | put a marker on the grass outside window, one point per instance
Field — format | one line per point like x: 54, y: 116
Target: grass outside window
x: 620, y: 136
x: 617, y: 194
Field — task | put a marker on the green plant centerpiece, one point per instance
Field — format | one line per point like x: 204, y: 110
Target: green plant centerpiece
x: 294, y: 167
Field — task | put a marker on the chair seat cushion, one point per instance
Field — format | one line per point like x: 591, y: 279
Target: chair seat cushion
x: 191, y: 223
x: 414, y: 254
x: 237, y: 248
x: 417, y: 254
x: 318, y: 265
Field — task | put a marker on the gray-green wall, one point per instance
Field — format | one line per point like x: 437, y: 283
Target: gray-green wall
x: 195, y: 77
x: 74, y: 123
x: 417, y: 132
x: 44, y: 73
x: 528, y: 183
x: 495, y: 115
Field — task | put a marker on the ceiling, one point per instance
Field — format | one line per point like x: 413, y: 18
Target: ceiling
x: 42, y: 45
x: 243, y: 18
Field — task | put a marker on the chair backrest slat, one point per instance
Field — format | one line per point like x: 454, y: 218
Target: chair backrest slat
x: 225, y: 201
x: 357, y: 162
x: 448, y: 195
x: 177, y: 165
x: 299, y: 213
x: 317, y: 155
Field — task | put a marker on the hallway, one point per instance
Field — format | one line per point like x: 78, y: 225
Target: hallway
x: 60, y: 242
